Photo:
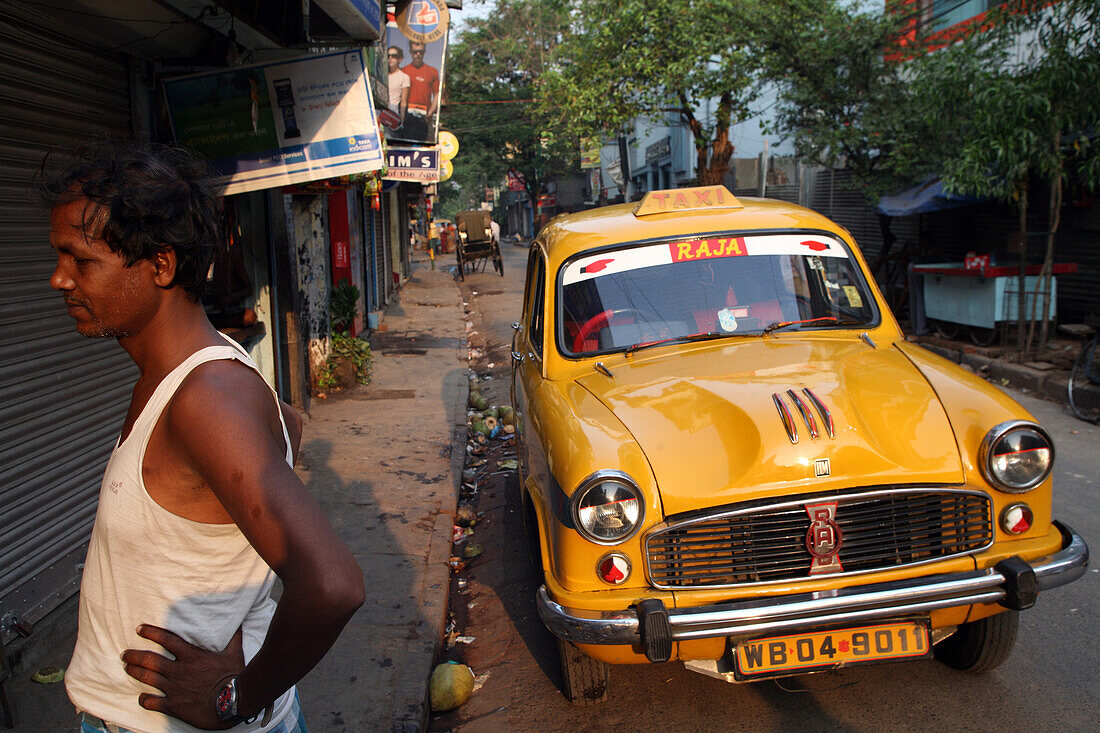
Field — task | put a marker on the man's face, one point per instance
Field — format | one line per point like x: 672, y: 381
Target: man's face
x: 417, y: 52
x: 105, y: 297
x: 393, y: 58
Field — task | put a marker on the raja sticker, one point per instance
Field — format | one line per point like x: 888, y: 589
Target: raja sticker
x: 726, y: 320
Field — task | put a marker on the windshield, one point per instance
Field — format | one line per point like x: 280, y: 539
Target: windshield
x: 708, y: 288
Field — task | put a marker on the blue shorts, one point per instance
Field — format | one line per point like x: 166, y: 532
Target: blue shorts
x: 294, y: 722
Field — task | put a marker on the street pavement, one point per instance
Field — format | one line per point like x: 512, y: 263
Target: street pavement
x: 384, y: 461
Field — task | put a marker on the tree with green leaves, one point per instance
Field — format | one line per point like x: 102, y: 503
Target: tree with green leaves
x: 494, y: 66
x: 1034, y: 115
x: 642, y: 59
x: 840, y: 69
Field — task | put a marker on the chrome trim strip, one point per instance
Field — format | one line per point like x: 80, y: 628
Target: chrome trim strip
x: 801, y: 501
x: 805, y: 610
x: 806, y: 414
x: 826, y: 416
x: 785, y: 416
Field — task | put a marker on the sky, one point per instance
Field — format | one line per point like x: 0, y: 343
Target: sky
x: 472, y: 9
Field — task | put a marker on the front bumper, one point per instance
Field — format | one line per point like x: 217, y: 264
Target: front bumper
x: 653, y: 627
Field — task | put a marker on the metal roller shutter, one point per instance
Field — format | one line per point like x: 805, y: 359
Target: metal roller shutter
x: 382, y: 252
x: 63, y: 397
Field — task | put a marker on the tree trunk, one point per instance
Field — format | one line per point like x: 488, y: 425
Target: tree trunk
x: 1055, y: 217
x: 721, y: 149
x: 712, y: 158
x: 1021, y: 279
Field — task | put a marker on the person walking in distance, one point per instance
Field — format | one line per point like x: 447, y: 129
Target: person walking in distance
x: 423, y: 96
x: 199, y: 508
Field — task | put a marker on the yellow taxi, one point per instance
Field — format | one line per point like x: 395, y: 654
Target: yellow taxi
x: 730, y: 456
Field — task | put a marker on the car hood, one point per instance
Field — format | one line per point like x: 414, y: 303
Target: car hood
x: 717, y: 436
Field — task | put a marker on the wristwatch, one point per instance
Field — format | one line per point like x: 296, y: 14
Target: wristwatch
x: 226, y: 704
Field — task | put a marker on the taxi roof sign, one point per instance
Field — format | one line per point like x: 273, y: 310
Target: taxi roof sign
x: 686, y: 199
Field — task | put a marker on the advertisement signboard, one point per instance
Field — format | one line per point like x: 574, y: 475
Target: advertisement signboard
x: 360, y: 19
x: 278, y: 124
x: 412, y: 164
x: 416, y: 48
x: 590, y: 153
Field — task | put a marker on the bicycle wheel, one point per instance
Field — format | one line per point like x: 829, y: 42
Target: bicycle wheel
x: 946, y: 329
x: 982, y: 336
x: 1084, y: 384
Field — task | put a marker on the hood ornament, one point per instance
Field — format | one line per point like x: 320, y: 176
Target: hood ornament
x: 824, y: 538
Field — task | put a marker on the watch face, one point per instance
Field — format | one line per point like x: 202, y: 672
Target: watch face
x: 225, y: 700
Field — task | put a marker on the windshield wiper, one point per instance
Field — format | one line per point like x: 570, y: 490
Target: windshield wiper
x: 823, y: 320
x: 779, y: 325
x: 702, y: 336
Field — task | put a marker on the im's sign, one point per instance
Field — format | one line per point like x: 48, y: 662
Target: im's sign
x: 412, y: 164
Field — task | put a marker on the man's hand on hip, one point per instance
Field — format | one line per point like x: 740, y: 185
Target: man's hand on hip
x: 190, y: 682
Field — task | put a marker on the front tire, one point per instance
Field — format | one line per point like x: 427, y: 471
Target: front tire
x: 982, y: 645
x: 584, y: 680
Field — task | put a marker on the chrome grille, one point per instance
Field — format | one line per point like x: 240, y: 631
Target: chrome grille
x: 884, y: 529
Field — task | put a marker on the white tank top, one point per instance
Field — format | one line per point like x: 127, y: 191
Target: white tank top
x: 148, y: 565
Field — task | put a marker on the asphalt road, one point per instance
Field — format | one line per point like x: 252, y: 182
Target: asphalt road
x: 1049, y: 683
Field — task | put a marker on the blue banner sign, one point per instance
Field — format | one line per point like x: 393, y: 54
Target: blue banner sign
x: 279, y: 124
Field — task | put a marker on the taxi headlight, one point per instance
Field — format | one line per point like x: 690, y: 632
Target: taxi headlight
x: 1017, y: 456
x: 608, y: 508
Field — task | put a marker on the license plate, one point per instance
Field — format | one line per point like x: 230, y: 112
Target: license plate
x: 783, y: 655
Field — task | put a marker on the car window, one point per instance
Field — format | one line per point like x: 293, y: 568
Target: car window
x: 722, y: 286
x: 536, y: 327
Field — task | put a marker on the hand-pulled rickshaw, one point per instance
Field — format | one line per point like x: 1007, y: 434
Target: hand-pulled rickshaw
x: 476, y: 243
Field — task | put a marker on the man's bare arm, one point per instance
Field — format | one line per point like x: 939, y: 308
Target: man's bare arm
x: 224, y: 421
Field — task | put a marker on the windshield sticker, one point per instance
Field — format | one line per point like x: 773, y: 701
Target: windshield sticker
x: 726, y: 320
x: 702, y: 249
x: 593, y: 267
x: 854, y: 301
x: 815, y: 263
x: 690, y: 250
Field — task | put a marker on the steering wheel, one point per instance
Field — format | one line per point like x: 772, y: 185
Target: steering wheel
x: 599, y: 322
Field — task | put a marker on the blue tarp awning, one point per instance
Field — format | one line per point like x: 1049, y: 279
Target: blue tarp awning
x: 924, y: 197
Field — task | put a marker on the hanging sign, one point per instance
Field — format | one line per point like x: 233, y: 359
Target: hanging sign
x: 272, y: 125
x: 446, y: 169
x: 448, y: 145
x: 412, y: 164
x: 590, y: 153
x: 423, y: 21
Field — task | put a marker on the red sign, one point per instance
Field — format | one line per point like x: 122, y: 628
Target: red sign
x: 975, y: 262
x: 705, y: 249
x: 515, y: 182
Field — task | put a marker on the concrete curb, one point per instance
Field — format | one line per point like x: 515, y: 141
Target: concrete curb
x: 1050, y: 384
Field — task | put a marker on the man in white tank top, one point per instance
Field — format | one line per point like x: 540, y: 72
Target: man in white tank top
x: 200, y: 507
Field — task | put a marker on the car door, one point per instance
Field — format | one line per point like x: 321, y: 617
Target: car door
x: 527, y: 353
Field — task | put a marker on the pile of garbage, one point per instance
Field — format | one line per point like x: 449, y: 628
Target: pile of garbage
x: 490, y: 452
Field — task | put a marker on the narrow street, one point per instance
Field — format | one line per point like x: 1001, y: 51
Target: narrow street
x: 1048, y: 683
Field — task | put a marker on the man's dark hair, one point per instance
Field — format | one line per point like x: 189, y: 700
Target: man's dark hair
x: 145, y: 198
